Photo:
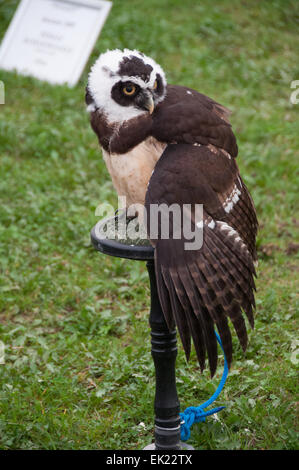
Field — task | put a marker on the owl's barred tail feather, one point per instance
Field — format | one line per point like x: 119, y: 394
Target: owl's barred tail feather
x: 199, y: 289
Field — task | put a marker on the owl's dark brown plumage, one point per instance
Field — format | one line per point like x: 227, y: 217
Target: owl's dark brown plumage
x: 195, y: 146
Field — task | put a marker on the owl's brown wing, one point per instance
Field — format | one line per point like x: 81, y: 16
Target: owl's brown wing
x: 187, y: 116
x: 201, y: 288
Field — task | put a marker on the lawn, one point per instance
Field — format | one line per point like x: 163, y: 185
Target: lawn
x: 78, y: 372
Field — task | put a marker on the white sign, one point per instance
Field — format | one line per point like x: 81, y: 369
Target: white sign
x: 52, y: 39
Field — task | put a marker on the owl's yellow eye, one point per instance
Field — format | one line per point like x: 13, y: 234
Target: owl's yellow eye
x: 155, y: 85
x: 129, y: 90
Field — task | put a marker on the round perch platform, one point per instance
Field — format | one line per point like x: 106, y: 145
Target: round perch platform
x: 164, y: 343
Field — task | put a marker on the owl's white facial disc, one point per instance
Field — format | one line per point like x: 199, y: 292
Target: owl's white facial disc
x: 120, y: 81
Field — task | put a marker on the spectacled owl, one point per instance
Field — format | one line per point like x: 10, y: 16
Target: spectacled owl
x: 171, y: 144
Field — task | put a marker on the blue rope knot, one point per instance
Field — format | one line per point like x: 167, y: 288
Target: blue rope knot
x: 197, y: 414
x: 194, y: 415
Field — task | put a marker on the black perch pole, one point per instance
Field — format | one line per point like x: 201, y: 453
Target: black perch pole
x: 164, y: 352
x: 164, y: 344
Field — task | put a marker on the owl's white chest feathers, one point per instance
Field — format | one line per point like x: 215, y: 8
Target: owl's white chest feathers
x: 130, y: 172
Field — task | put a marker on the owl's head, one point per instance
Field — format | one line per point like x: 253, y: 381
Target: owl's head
x: 125, y: 84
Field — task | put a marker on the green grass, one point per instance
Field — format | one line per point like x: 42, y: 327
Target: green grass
x: 78, y: 372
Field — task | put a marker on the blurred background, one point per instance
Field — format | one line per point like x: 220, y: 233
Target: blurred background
x: 77, y: 371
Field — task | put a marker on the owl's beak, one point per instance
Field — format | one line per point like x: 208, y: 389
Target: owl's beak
x: 146, y: 101
x: 150, y: 105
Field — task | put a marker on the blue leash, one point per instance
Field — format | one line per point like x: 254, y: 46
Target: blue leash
x: 197, y: 414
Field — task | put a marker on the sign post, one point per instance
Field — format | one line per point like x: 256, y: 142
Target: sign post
x: 52, y: 39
